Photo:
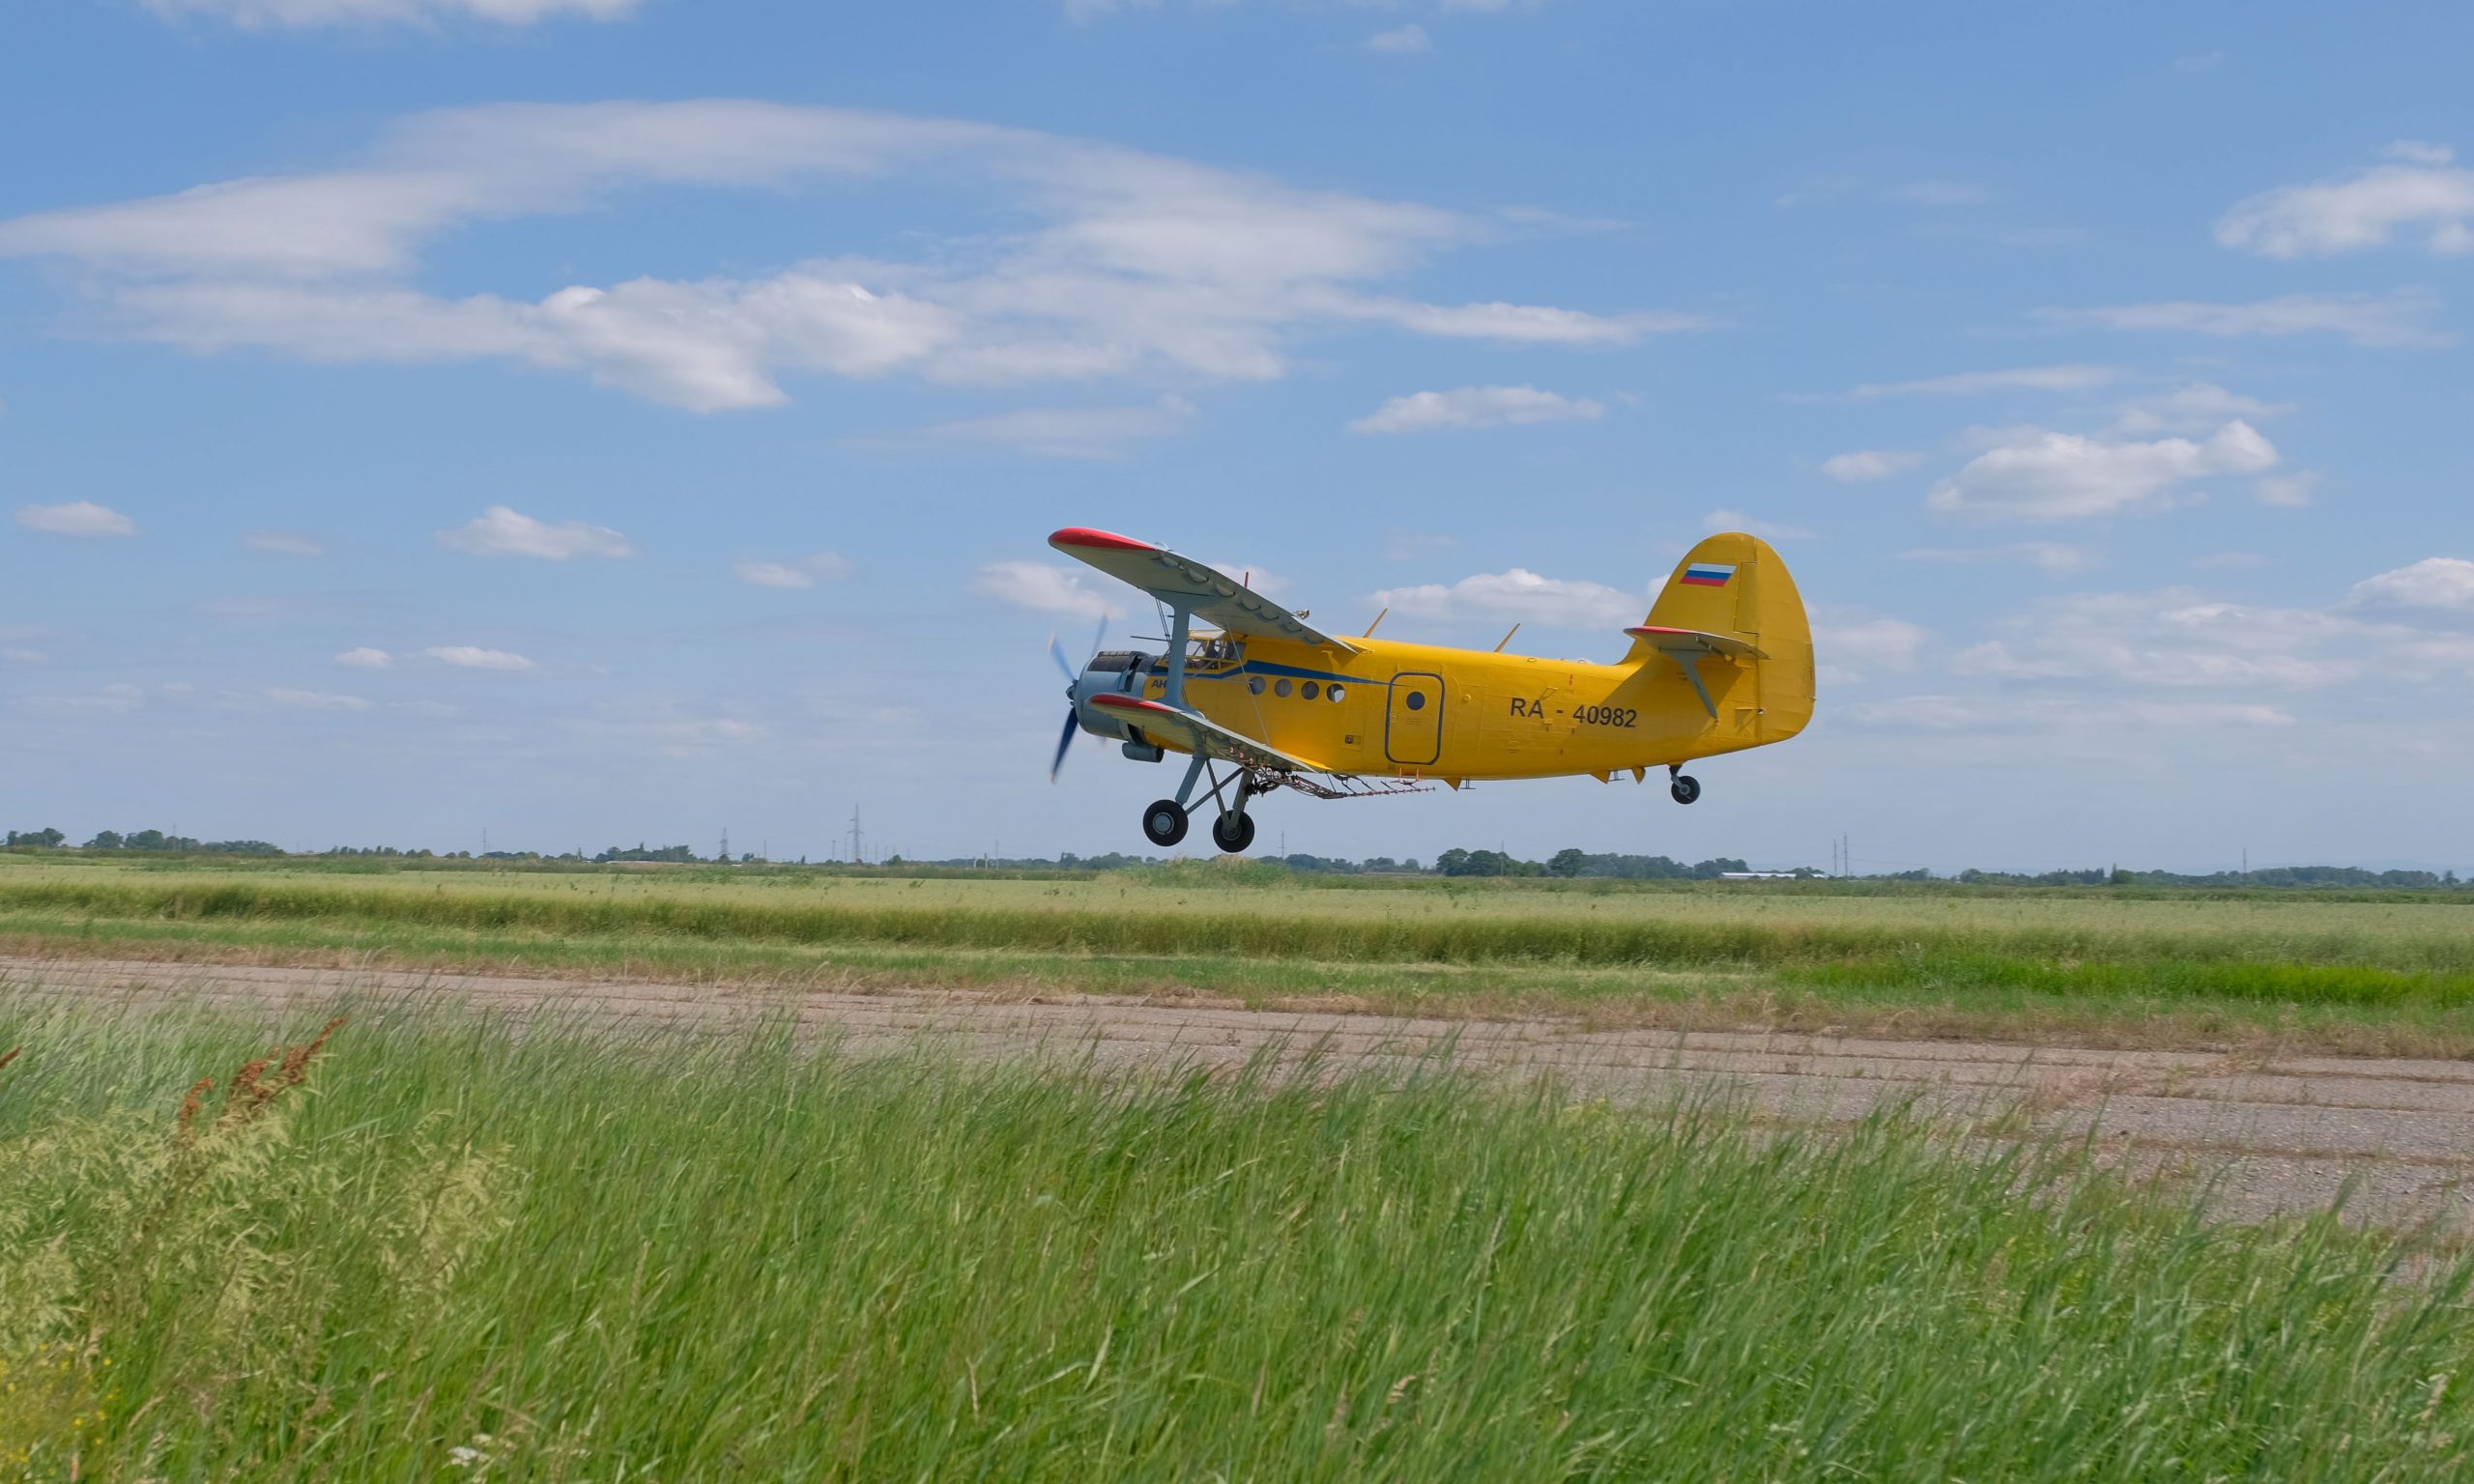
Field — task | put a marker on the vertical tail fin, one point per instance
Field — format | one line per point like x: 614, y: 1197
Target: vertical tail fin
x: 1735, y: 586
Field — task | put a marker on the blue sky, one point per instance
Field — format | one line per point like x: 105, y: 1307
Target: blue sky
x: 593, y: 420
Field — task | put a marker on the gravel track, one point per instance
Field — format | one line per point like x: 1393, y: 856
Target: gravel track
x: 2272, y: 1134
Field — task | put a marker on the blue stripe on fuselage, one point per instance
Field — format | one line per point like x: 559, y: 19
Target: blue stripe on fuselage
x: 1267, y: 667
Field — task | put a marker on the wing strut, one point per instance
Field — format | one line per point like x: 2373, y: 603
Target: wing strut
x: 1691, y: 667
x: 1180, y: 626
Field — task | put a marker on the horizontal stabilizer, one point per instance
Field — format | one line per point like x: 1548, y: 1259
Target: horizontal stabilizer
x: 1693, y: 642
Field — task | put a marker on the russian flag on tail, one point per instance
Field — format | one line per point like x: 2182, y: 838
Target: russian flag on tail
x: 1707, y: 573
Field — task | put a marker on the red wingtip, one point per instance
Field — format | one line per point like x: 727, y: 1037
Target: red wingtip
x: 1128, y: 702
x: 1084, y: 535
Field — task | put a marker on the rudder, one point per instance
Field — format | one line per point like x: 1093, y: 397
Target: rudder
x: 1734, y: 584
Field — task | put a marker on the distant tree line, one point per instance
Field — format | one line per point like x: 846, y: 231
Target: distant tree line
x: 678, y: 853
x: 1571, y: 862
x: 146, y: 840
x: 2267, y: 876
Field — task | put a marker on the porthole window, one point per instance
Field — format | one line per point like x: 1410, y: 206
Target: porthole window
x: 1417, y: 700
x: 1255, y: 685
x: 1309, y: 690
x: 1335, y: 693
x: 1279, y: 687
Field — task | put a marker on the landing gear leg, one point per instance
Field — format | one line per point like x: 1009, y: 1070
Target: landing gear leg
x: 1684, y: 788
x: 1164, y: 822
x: 1234, y: 830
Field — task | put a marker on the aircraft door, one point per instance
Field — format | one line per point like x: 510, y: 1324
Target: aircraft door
x: 1413, y: 729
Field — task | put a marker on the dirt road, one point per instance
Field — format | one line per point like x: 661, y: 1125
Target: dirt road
x: 2274, y: 1133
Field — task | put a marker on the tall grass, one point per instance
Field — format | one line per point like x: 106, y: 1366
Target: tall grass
x: 450, y: 1252
x: 2259, y: 957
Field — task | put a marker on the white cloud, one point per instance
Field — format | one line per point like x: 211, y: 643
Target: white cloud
x: 2400, y: 318
x: 2177, y: 639
x: 1520, y: 324
x: 499, y: 531
x: 1868, y: 643
x: 772, y: 574
x: 2040, y: 475
x: 471, y: 657
x: 1085, y: 11
x: 1130, y: 263
x: 1969, y: 383
x: 77, y: 518
x: 2440, y: 583
x: 2288, y: 491
x: 1767, y: 531
x: 267, y: 14
x: 116, y: 700
x: 315, y: 700
x: 2194, y: 409
x: 1401, y: 41
x: 364, y: 658
x: 1067, y: 432
x: 2054, y: 715
x: 1475, y: 406
x: 1521, y: 595
x: 284, y: 543
x: 2044, y: 556
x: 1937, y: 193
x: 1413, y: 545
x: 670, y: 731
x: 1041, y: 588
x: 20, y: 656
x: 801, y: 573
x: 1866, y: 465
x: 2421, y: 190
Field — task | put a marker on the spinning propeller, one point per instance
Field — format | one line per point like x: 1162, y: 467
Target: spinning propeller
x: 1073, y: 723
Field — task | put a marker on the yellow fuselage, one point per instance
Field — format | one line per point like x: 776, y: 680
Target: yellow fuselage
x: 1427, y: 711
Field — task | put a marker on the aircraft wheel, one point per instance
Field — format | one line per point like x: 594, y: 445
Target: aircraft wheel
x: 1685, y: 789
x: 1164, y: 822
x: 1233, y: 833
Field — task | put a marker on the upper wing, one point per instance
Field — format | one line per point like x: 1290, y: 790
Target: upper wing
x: 1212, y: 596
x: 1201, y: 734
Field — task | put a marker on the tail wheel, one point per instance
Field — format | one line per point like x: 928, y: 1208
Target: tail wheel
x: 1233, y: 833
x: 1163, y: 823
x: 1685, y: 789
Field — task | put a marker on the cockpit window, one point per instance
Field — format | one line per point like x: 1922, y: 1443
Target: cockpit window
x: 1203, y: 657
x: 1217, y: 655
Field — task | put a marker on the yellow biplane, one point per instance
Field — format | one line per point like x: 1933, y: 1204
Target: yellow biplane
x: 1723, y: 662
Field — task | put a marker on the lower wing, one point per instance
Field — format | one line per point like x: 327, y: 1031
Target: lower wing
x: 1202, y: 736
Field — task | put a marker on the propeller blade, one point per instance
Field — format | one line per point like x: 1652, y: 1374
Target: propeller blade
x: 1056, y: 651
x: 1098, y: 637
x: 1073, y: 724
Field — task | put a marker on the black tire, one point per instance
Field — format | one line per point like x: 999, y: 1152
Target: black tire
x: 1685, y: 789
x: 1163, y: 823
x: 1233, y: 833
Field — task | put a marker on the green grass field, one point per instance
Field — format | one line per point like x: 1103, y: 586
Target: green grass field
x: 452, y: 1253
x: 2351, y: 973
